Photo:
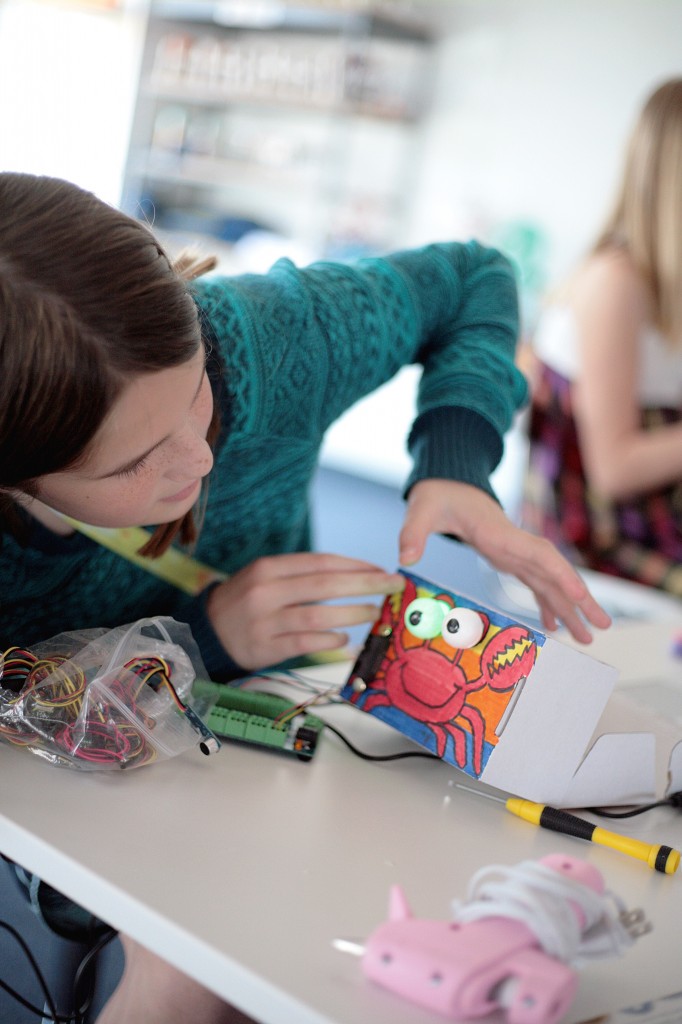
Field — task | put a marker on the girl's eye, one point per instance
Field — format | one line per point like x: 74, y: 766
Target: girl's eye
x: 462, y: 627
x: 133, y: 470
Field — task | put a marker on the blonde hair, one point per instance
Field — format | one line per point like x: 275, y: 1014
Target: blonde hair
x: 646, y: 218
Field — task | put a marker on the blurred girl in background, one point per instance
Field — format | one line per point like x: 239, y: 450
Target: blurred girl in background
x: 605, y: 479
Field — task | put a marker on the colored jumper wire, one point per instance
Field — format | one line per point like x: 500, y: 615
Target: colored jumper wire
x: 659, y: 857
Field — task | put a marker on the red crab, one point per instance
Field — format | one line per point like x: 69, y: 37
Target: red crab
x: 429, y: 685
x: 425, y: 680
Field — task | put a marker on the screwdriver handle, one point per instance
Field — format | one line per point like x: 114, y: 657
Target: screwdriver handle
x: 659, y: 857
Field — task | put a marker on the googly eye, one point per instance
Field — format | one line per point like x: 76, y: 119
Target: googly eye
x: 424, y: 617
x: 462, y: 627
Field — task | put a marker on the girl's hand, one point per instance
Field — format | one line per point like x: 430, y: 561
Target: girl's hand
x: 446, y: 506
x: 273, y: 609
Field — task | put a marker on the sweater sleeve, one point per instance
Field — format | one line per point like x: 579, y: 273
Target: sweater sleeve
x: 219, y: 665
x: 450, y: 307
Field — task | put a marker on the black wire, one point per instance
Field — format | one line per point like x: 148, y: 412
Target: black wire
x: 604, y: 813
x: 380, y: 757
x: 36, y: 970
x: 78, y: 1016
x: 84, y: 1002
x: 674, y: 800
x: 351, y: 746
x: 29, y: 1006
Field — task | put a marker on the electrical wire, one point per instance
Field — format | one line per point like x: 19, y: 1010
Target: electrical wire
x: 85, y: 976
x: 571, y: 921
x: 398, y: 756
x: 674, y: 800
x: 327, y: 696
x: 285, y: 716
x: 72, y: 721
x: 81, y: 1002
x: 38, y: 974
x: 291, y: 675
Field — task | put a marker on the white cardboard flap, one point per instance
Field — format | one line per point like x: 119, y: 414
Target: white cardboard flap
x: 675, y: 770
x: 618, y: 769
x: 553, y: 721
x: 633, y: 763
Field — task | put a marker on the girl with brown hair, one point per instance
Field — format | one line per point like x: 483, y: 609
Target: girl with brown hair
x: 134, y: 397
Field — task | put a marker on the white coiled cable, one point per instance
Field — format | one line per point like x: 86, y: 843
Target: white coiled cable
x: 541, y: 899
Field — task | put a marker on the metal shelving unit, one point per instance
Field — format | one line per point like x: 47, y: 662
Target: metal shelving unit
x: 303, y: 120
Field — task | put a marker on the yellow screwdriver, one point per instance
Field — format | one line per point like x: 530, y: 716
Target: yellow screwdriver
x: 659, y: 857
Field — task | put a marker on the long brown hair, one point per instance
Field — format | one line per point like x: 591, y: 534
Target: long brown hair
x: 88, y: 299
x: 646, y: 218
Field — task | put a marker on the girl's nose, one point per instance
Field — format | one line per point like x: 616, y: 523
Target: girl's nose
x: 192, y: 457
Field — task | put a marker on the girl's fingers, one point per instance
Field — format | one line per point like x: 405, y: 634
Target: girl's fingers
x: 306, y: 563
x: 329, y: 586
x: 313, y: 618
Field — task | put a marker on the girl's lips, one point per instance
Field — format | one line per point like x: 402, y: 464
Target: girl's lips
x: 183, y: 494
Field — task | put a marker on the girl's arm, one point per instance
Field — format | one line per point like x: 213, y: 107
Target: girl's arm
x: 621, y: 460
x: 451, y: 307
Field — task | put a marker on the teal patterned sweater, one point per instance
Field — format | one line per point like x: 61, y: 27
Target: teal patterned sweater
x: 292, y: 350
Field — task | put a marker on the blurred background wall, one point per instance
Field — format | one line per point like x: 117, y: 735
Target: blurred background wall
x: 498, y: 119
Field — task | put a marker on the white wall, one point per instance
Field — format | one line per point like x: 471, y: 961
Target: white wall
x: 68, y: 78
x: 533, y: 103
x: 535, y: 99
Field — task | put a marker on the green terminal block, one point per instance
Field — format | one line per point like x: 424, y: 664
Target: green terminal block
x: 252, y: 717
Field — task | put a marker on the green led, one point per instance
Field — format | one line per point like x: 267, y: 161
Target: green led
x: 424, y: 617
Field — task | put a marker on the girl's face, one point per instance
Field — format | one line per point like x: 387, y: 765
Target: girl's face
x: 147, y: 460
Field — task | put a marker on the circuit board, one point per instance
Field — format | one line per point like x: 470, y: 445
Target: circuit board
x: 259, y: 718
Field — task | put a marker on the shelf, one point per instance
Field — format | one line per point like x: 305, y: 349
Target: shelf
x: 334, y: 73
x: 199, y: 170
x: 328, y: 18
x: 199, y: 95
x: 305, y: 117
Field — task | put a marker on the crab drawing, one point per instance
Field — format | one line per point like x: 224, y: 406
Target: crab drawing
x: 426, y: 681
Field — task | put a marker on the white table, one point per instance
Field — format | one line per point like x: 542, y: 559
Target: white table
x: 242, y: 868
